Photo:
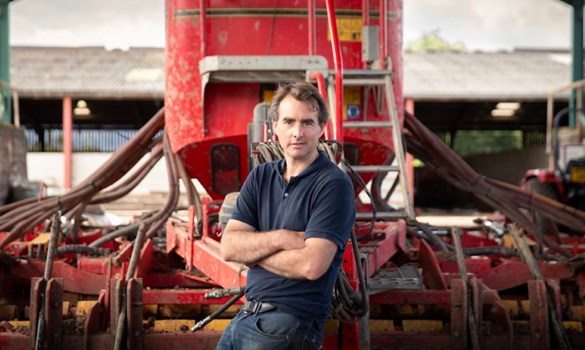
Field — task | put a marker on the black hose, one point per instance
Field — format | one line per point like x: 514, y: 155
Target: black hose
x: 218, y: 312
x: 124, y: 231
x: 494, y: 250
x: 365, y: 302
x: 82, y: 249
x: 436, y: 241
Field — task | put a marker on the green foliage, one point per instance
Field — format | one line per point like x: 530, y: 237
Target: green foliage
x: 474, y: 142
x: 432, y: 41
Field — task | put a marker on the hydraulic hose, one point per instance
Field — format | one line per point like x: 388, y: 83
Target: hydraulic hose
x: 504, y: 197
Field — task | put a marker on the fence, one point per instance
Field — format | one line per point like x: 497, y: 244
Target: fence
x: 105, y: 139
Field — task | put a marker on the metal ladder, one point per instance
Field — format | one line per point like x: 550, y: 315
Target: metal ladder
x: 382, y: 78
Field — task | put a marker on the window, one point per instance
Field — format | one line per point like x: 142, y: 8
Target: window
x: 225, y: 168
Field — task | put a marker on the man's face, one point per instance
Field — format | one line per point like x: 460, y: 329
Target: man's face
x: 298, y: 129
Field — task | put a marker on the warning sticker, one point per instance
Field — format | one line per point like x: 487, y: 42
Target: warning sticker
x: 348, y: 29
x: 351, y: 102
x: 578, y: 175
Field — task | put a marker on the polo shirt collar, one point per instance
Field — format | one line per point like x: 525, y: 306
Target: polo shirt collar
x: 321, y: 161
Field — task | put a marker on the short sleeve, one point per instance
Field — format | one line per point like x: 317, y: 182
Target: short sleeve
x: 333, y: 213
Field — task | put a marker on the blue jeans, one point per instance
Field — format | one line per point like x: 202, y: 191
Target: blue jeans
x: 270, y: 330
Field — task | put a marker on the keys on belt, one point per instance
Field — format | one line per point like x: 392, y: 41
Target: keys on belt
x: 252, y: 307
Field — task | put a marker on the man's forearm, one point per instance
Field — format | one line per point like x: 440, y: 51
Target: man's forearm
x: 285, y: 263
x: 308, y: 263
x: 250, y: 247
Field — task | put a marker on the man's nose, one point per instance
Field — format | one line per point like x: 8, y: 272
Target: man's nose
x: 298, y: 130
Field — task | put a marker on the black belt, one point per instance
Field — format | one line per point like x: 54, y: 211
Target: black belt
x: 252, y: 306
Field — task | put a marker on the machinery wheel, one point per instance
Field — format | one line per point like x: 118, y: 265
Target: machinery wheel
x: 544, y: 225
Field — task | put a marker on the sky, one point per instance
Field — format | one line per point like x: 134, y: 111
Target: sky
x: 478, y: 24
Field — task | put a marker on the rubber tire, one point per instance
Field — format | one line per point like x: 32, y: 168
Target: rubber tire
x: 549, y: 190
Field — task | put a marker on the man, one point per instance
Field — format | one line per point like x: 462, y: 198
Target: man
x: 290, y: 225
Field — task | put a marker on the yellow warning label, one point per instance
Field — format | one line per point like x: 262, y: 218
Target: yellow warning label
x: 351, y: 102
x: 578, y: 175
x: 348, y: 29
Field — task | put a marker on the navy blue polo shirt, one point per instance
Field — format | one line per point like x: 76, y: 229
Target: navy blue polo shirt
x: 320, y: 202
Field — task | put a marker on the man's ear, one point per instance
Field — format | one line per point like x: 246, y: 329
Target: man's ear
x: 274, y: 135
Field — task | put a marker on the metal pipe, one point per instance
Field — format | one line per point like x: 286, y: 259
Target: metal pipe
x: 67, y: 141
x: 471, y: 318
x: 409, y: 107
x: 5, y: 61
x: 16, y: 109
x: 577, y: 53
x: 312, y: 26
x: 323, y: 91
x: 365, y: 13
x: 556, y: 322
x: 202, y: 29
x: 121, y: 325
x: 383, y: 38
x: 338, y: 65
x: 365, y: 23
x: 55, y: 230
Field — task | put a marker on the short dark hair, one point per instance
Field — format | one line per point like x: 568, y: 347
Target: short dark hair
x: 304, y: 92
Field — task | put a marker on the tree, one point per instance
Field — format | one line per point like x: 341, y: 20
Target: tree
x: 432, y: 41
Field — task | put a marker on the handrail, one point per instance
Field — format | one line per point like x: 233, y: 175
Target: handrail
x: 577, y: 86
x: 383, y: 39
x: 338, y: 65
x: 323, y: 91
x: 365, y: 21
x: 312, y: 26
x: 202, y: 29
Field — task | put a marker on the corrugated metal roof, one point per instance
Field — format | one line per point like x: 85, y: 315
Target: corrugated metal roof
x: 52, y: 72
x: 520, y: 75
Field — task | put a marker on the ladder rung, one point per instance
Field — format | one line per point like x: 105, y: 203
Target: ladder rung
x: 368, y: 124
x: 366, y: 72
x: 384, y: 215
x: 363, y: 82
x: 374, y: 168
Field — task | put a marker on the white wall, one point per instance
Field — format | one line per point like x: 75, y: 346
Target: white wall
x: 48, y: 168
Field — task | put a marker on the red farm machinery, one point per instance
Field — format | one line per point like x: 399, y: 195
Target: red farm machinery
x: 160, y: 283
x: 564, y: 179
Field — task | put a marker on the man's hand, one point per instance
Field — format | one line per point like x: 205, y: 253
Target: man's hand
x: 241, y: 243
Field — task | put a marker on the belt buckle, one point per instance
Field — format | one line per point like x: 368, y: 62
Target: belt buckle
x: 252, y: 306
x: 256, y: 306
